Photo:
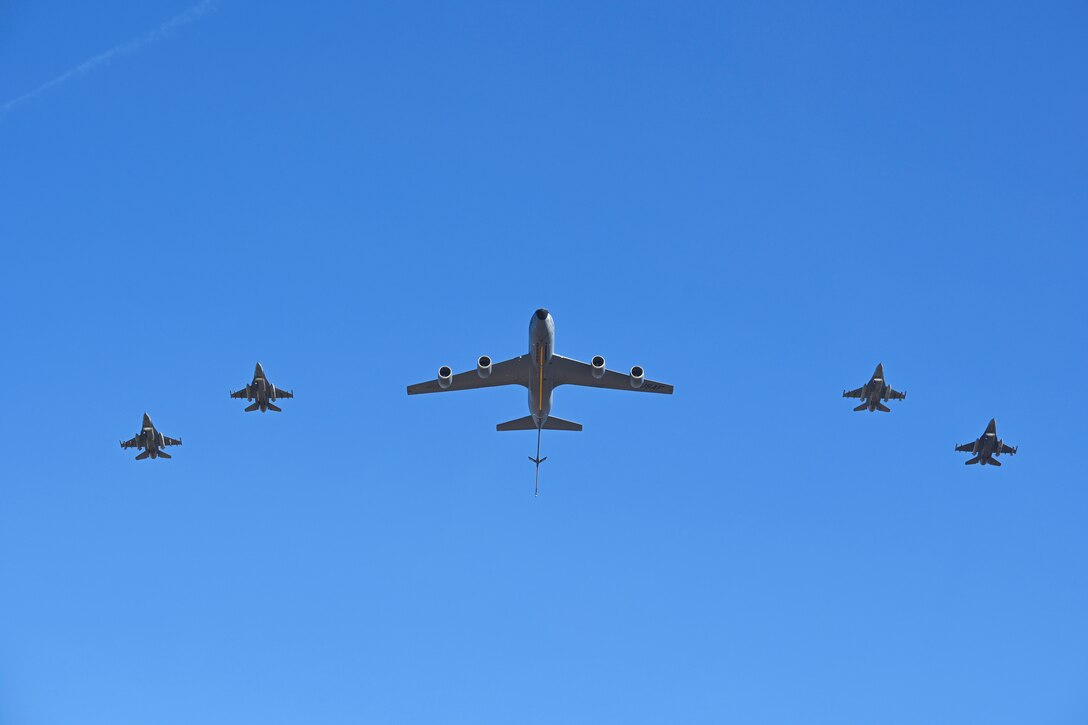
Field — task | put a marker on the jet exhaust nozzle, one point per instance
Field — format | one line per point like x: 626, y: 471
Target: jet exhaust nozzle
x: 483, y: 367
x: 638, y: 375
x: 597, y: 366
x: 445, y: 377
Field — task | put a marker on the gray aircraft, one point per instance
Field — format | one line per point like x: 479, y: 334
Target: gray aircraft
x: 263, y: 392
x: 875, y: 391
x: 541, y: 371
x: 150, y: 441
x: 987, y: 448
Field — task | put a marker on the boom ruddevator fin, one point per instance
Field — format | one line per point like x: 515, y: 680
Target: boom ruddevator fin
x: 538, y: 460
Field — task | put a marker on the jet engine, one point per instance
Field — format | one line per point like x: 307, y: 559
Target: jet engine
x: 445, y: 377
x: 597, y: 365
x: 483, y: 367
x: 637, y: 376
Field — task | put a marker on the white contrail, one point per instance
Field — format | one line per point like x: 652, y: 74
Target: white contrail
x: 184, y: 18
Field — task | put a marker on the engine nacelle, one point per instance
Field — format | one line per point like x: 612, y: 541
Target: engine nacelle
x: 483, y: 367
x: 272, y: 393
x: 597, y: 366
x: 637, y: 376
x: 445, y: 377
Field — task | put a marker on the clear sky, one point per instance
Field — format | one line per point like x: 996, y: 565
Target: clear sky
x: 757, y: 202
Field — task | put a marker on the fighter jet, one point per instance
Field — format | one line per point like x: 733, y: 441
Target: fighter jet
x: 875, y: 391
x: 150, y: 441
x: 264, y: 392
x: 541, y: 371
x: 987, y: 448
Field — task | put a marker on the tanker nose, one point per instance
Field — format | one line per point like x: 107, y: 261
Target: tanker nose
x: 542, y: 314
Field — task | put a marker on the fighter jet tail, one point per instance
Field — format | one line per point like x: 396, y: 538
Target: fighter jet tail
x: 973, y: 460
x: 275, y: 408
x: 164, y: 454
x: 253, y: 407
x: 993, y: 461
x: 143, y: 455
x: 863, y: 406
x: 883, y: 408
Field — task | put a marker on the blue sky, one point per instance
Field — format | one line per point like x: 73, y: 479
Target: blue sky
x: 757, y: 202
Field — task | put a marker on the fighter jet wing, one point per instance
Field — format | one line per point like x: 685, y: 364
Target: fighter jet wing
x: 514, y: 371
x: 967, y: 447
x: 566, y: 371
x: 284, y: 393
x: 895, y: 394
x: 853, y: 393
x: 131, y: 443
x: 168, y: 441
x: 239, y: 394
x: 1007, y: 449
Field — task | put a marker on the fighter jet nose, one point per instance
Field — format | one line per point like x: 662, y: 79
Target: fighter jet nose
x: 542, y: 314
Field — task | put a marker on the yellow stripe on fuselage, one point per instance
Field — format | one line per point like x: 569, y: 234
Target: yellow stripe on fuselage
x: 540, y: 403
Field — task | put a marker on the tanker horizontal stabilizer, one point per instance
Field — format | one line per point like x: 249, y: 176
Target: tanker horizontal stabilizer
x: 528, y: 423
x: 553, y: 423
